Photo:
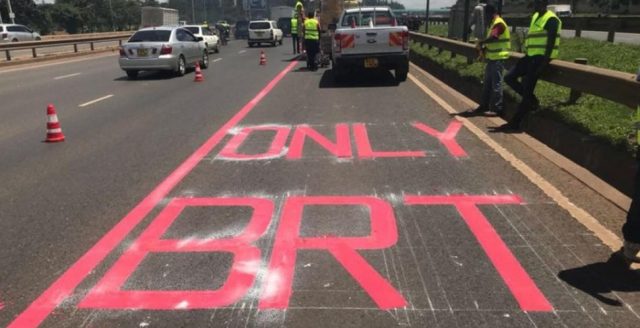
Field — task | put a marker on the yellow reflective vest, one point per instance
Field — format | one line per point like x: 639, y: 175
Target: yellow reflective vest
x: 311, y: 29
x: 498, y: 49
x: 536, y: 42
x: 294, y: 25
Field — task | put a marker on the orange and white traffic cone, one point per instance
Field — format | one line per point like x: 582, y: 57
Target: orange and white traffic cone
x: 263, y: 58
x: 199, y: 77
x: 54, y: 131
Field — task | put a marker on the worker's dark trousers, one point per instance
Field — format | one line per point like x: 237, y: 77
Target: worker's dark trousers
x: 492, y: 86
x: 296, y: 43
x: 312, y: 46
x: 631, y: 228
x: 527, y: 69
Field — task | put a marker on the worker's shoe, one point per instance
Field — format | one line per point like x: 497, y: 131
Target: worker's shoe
x: 630, y: 251
x: 507, y: 128
x: 474, y: 112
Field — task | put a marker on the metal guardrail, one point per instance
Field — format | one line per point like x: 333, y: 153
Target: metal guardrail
x: 611, y: 25
x: 33, y: 45
x: 616, y: 86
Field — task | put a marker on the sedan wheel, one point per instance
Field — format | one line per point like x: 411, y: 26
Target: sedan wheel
x: 182, y: 67
x: 205, y: 60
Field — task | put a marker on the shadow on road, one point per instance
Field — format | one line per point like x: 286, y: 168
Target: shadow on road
x: 602, y: 278
x: 358, y: 79
x: 149, y: 76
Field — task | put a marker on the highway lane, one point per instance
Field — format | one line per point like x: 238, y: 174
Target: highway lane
x: 116, y: 150
x: 372, y: 156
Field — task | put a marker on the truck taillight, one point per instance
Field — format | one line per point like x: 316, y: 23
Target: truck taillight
x: 405, y: 40
x: 122, y: 53
x: 394, y: 22
x: 166, y: 50
x: 338, y: 38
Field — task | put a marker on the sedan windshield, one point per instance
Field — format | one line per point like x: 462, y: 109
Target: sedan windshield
x: 151, y: 36
x: 260, y: 26
x: 193, y: 29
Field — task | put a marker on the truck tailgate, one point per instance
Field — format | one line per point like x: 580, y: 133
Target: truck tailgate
x: 372, y: 40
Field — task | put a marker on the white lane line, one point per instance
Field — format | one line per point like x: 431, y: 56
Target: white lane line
x: 95, y: 101
x: 605, y: 235
x: 241, y: 51
x: 66, y: 76
x: 217, y: 60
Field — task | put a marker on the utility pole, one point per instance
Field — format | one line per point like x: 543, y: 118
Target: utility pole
x: 12, y: 15
x: 113, y: 23
x: 193, y: 12
x: 465, y: 24
x: 426, y: 18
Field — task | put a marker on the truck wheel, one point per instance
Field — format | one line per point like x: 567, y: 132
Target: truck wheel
x: 401, y: 74
x: 132, y: 74
x: 339, y: 73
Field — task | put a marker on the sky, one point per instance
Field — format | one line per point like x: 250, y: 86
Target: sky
x: 410, y: 4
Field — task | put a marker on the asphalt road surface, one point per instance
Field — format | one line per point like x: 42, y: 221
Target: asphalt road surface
x: 270, y: 196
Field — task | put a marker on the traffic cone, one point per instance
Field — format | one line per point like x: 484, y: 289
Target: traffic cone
x: 54, y: 131
x: 263, y: 58
x: 199, y: 77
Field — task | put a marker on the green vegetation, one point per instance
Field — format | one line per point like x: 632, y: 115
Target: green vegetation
x: 594, y: 116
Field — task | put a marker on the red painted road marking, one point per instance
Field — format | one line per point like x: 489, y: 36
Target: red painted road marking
x: 513, y: 274
x: 341, y: 148
x: 230, y: 150
x: 447, y: 138
x: 365, y: 150
x: 277, y: 288
x: 64, y: 286
x: 107, y: 294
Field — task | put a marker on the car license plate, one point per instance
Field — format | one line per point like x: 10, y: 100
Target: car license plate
x: 142, y: 52
x: 371, y: 62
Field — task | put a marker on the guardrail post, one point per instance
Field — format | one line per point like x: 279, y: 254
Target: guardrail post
x: 8, y: 55
x: 33, y: 52
x: 75, y: 47
x: 91, y: 43
x: 575, y: 94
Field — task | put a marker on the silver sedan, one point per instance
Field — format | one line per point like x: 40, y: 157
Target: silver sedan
x: 166, y: 48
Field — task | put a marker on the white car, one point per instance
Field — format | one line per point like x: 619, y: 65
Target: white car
x: 209, y: 38
x: 264, y: 31
x: 15, y: 32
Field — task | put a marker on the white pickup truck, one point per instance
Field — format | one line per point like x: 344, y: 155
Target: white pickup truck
x: 368, y: 37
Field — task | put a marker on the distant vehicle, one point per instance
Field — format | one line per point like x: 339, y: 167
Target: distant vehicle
x: 561, y: 10
x: 210, y: 39
x: 166, y: 48
x: 278, y: 12
x: 158, y: 16
x: 16, y: 32
x: 284, y: 23
x: 264, y: 32
x: 369, y: 38
x: 242, y: 30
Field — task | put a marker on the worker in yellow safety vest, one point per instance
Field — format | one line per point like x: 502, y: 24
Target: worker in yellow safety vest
x: 311, y: 30
x: 495, y: 48
x: 294, y: 34
x: 542, y: 45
